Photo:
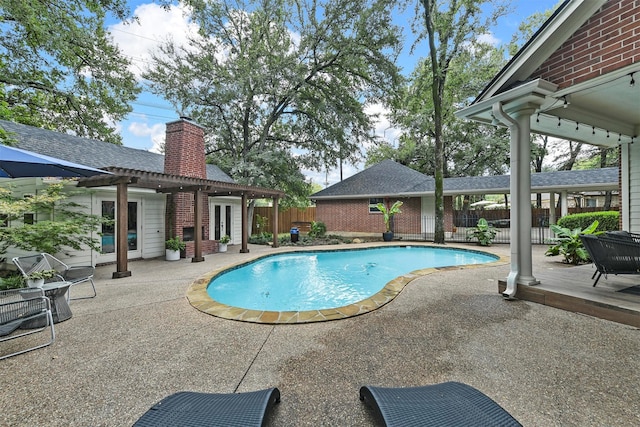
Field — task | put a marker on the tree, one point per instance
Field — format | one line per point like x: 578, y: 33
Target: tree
x: 59, y: 68
x: 59, y: 223
x: 451, y: 30
x: 281, y: 85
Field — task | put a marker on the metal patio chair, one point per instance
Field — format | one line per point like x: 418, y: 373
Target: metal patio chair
x: 72, y: 274
x: 19, y: 306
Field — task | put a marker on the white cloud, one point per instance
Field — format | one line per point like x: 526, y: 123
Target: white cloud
x: 155, y: 26
x: 489, y: 38
x: 156, y: 132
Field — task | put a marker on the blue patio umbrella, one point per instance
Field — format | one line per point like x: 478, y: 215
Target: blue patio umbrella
x: 17, y: 163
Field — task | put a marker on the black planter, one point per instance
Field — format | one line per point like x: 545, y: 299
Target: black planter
x: 387, y: 236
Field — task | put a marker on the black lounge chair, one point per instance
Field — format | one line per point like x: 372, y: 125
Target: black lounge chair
x: 612, y: 255
x: 446, y: 404
x: 211, y: 409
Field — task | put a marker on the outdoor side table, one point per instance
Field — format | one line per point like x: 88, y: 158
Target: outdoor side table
x: 60, y: 310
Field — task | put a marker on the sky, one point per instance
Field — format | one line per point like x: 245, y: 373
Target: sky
x: 144, y: 127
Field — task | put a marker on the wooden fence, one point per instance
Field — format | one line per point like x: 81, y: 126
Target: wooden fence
x: 302, y: 218
x: 293, y: 217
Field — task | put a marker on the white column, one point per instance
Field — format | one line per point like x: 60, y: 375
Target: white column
x: 521, y: 198
x: 564, y: 208
x: 624, y: 196
x: 552, y: 211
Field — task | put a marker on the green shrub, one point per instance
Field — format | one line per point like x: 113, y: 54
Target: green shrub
x: 261, y: 239
x: 483, y: 232
x: 318, y: 229
x: 607, y: 220
x: 568, y: 243
x: 13, y: 281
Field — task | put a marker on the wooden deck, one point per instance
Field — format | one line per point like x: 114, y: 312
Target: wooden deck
x: 570, y: 288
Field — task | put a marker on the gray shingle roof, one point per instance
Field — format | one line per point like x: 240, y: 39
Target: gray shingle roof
x: 92, y: 152
x: 381, y: 179
x: 390, y: 178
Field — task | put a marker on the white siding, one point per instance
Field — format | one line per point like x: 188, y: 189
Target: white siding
x: 634, y: 188
x: 428, y: 208
x: 153, y: 222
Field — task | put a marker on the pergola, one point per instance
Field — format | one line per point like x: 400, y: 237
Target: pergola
x: 124, y: 178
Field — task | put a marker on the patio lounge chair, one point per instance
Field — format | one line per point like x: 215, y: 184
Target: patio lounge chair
x: 211, y: 409
x: 74, y: 275
x: 18, y: 306
x: 446, y: 404
x: 612, y: 255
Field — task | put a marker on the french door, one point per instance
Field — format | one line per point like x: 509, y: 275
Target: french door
x: 109, y: 234
x: 222, y: 221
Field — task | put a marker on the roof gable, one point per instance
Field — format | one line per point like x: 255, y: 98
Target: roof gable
x: 92, y: 152
x: 560, y: 26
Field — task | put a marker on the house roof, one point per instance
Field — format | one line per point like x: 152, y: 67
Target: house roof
x: 578, y: 180
x: 598, y: 107
x: 92, y: 152
x: 389, y: 178
x: 382, y: 179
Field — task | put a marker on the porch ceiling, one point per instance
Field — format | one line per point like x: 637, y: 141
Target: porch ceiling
x: 604, y: 111
x: 165, y: 183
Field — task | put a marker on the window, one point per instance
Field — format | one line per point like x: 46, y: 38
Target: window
x: 4, y: 220
x: 29, y: 218
x: 373, y: 204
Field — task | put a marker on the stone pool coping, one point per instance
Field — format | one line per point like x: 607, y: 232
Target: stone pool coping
x: 199, y: 298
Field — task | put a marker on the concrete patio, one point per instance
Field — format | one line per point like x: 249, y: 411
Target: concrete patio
x: 140, y: 340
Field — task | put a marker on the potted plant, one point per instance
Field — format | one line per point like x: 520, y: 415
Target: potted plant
x: 37, y: 278
x: 387, y: 216
x: 173, y: 247
x: 483, y: 232
x: 224, y: 241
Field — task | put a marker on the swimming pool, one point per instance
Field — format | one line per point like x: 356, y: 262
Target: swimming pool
x: 324, y: 282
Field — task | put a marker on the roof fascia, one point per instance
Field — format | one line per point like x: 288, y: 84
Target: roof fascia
x: 554, y: 32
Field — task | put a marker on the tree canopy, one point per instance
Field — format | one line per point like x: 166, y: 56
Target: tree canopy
x: 59, y: 68
x: 282, y: 85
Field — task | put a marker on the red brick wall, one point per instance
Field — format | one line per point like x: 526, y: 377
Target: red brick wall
x: 353, y: 216
x: 184, y: 150
x: 609, y: 40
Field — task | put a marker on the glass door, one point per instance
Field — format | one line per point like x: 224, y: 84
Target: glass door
x: 109, y: 233
x: 222, y: 221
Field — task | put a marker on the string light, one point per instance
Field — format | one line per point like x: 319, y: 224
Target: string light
x: 577, y: 124
x: 632, y: 83
x: 593, y: 130
x: 558, y: 121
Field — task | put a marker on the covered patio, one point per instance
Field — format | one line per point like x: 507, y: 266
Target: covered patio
x: 574, y: 80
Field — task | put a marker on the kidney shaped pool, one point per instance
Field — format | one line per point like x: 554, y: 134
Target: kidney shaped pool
x: 320, y: 280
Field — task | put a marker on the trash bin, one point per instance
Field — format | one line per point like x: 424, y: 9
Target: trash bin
x: 294, y: 234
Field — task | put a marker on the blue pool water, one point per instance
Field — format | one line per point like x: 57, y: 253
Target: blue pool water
x: 303, y: 281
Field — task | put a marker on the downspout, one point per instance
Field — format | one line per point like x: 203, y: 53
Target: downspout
x: 514, y: 129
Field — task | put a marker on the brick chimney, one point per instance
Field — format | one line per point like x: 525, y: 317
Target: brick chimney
x: 184, y: 155
x: 184, y: 149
